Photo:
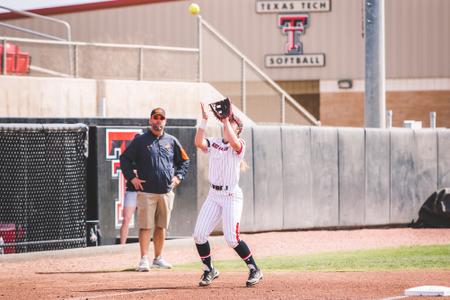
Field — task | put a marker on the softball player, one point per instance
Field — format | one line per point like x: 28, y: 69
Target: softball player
x: 224, y: 199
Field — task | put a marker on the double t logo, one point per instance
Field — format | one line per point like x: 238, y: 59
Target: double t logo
x: 116, y: 142
x: 293, y: 26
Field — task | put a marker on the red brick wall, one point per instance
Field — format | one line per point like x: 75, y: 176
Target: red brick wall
x: 347, y: 109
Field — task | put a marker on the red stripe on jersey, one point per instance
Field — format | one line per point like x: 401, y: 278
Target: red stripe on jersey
x: 203, y: 257
x: 237, y: 232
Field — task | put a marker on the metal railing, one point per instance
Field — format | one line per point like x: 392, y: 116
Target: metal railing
x: 284, y: 96
x: 37, y: 33
x: 202, y: 24
x: 76, y: 45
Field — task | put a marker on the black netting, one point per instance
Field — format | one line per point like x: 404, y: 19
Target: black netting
x: 42, y: 187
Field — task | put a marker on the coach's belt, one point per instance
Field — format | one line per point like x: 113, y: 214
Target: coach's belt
x: 220, y: 187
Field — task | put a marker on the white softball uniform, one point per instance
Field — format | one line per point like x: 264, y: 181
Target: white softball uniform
x: 225, y: 198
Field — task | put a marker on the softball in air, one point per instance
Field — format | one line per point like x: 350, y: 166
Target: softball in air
x: 194, y: 9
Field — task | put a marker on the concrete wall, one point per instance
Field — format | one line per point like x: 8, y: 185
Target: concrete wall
x: 134, y: 98
x: 443, y: 158
x: 377, y: 176
x: 302, y: 177
x: 87, y: 98
x: 314, y: 177
x: 413, y: 171
x: 297, y: 177
x: 267, y: 178
x: 325, y: 189
x: 351, y: 171
x: 38, y: 97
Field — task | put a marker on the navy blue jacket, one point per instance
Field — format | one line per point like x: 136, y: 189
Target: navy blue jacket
x: 156, y: 160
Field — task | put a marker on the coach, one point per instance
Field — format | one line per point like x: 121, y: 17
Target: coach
x: 161, y: 164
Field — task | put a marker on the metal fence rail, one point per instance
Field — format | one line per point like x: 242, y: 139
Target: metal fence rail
x: 284, y: 96
x: 44, y: 35
x: 246, y: 64
x: 75, y: 46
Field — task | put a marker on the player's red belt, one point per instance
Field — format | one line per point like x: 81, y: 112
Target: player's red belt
x: 220, y: 187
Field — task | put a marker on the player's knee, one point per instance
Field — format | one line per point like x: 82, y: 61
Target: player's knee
x: 232, y: 241
x: 200, y: 238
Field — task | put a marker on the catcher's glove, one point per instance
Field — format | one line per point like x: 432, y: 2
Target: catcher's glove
x: 221, y: 109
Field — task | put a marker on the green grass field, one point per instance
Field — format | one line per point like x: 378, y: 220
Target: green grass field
x: 402, y: 258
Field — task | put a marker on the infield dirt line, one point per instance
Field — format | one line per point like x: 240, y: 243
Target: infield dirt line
x: 117, y: 294
x: 394, y: 297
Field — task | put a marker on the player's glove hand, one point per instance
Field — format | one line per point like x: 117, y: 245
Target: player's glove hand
x: 221, y: 109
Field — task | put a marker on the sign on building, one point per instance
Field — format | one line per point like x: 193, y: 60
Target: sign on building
x: 293, y: 23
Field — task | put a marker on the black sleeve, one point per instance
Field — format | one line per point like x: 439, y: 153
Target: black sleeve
x: 128, y: 159
x: 180, y: 159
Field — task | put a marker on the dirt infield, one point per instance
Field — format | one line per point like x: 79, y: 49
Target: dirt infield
x: 104, y: 272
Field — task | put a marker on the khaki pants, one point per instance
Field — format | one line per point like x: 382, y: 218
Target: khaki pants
x: 154, y: 209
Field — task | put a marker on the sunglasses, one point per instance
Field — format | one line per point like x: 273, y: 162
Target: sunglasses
x: 158, y: 117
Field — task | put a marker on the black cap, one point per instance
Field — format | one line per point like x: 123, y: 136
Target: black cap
x: 158, y: 111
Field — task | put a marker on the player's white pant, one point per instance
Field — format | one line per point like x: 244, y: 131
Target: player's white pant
x: 225, y: 204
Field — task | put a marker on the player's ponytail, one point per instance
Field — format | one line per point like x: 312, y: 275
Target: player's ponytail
x: 243, y: 166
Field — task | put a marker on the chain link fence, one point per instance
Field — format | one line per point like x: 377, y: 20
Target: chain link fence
x: 43, y: 190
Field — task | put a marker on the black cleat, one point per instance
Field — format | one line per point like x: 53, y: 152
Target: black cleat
x: 254, y: 276
x: 208, y: 277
